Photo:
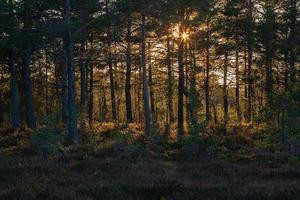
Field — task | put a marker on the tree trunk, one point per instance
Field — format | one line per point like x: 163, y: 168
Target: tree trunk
x: 180, y: 85
x: 170, y: 91
x: 83, y: 86
x: 72, y: 129
x: 128, y: 73
x: 187, y: 67
x: 31, y: 121
x: 152, y: 101
x: 250, y: 62
x: 292, y: 39
x: 64, y: 87
x: 112, y: 84
x: 193, y: 91
x: 102, y: 104
x: 15, y: 99
x: 269, y: 76
x: 237, y: 87
x: 82, y: 83
x: 207, y: 78
x: 225, y: 91
x: 147, y: 109
x: 91, y: 95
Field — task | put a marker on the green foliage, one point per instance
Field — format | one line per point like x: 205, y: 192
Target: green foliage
x: 293, y: 164
x: 48, y: 138
x: 46, y: 142
x: 197, y: 146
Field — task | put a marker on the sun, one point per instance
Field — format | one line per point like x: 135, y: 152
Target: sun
x: 177, y: 35
x: 185, y: 36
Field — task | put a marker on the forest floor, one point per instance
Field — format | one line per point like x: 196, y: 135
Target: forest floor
x: 119, y: 163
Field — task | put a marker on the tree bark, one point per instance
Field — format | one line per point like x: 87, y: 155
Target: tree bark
x: 83, y: 86
x: 207, y: 78
x: 128, y: 73
x: 147, y: 109
x: 91, y: 95
x: 72, y: 129
x: 225, y: 91
x: 250, y: 44
x: 112, y: 84
x: 292, y: 39
x: 193, y: 91
x: 170, y: 91
x: 30, y: 114
x: 180, y: 85
x: 237, y: 87
x: 15, y: 98
x: 64, y: 87
x: 152, y: 100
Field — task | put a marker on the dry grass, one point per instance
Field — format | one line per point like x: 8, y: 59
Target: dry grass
x: 121, y: 164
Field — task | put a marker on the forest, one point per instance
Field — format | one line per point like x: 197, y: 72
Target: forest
x: 150, y: 100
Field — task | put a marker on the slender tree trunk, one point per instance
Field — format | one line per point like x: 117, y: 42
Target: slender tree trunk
x: 250, y: 62
x: 193, y: 91
x: 286, y: 72
x: 237, y: 87
x: 269, y: 76
x: 83, y: 86
x: 147, y: 109
x: 72, y: 129
x: 91, y: 95
x: 15, y: 99
x: 207, y: 78
x: 180, y: 85
x: 46, y: 88
x: 102, y: 104
x: 187, y: 67
x: 225, y: 91
x: 170, y: 91
x: 64, y: 88
x: 1, y: 109
x: 292, y: 39
x: 215, y: 113
x: 31, y: 122
x: 112, y: 84
x: 56, y: 94
x: 128, y: 73
x: 152, y: 101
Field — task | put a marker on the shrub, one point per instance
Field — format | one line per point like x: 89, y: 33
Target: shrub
x: 46, y: 142
x: 195, y: 146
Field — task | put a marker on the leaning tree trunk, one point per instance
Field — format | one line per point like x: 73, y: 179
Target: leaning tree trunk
x: 146, y: 95
x: 15, y: 99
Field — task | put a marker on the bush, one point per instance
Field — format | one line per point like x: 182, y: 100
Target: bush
x: 46, y: 142
x: 195, y: 146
